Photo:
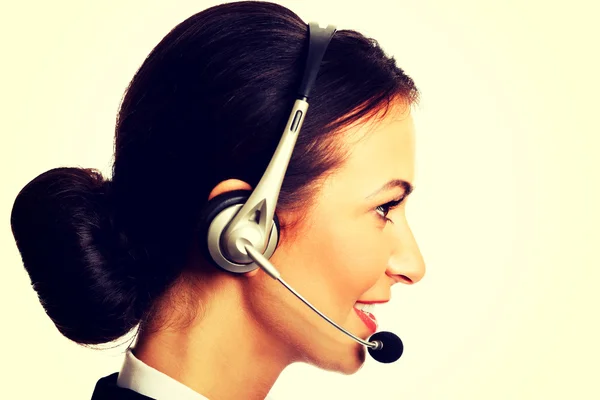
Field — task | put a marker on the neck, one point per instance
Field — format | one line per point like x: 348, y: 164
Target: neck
x: 222, y: 354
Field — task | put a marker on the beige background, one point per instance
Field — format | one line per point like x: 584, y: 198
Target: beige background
x: 504, y: 210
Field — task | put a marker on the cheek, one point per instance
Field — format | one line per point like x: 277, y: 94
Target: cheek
x: 356, y: 257
x: 365, y: 251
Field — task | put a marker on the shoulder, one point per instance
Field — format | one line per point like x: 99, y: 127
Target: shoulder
x: 106, y: 388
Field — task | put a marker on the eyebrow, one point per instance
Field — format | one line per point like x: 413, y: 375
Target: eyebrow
x: 394, y: 183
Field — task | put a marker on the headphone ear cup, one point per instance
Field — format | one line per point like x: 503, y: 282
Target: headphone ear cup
x: 228, y: 201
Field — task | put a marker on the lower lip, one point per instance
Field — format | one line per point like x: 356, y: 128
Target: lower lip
x: 370, y: 323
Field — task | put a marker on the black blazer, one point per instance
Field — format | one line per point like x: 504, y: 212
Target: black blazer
x: 107, y: 389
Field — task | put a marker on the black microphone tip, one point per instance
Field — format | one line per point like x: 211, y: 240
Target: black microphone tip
x: 392, y: 347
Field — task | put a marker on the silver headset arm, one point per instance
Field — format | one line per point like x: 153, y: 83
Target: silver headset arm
x: 254, y: 221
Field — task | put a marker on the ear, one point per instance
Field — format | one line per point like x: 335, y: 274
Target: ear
x: 228, y: 186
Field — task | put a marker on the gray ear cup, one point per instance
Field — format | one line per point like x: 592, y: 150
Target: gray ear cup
x: 214, y: 219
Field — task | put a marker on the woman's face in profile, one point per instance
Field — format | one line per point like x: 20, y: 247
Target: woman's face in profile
x: 349, y: 247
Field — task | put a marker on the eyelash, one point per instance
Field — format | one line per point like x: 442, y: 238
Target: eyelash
x: 387, y: 207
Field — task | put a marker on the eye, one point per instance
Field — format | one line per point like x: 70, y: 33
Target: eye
x: 384, y: 209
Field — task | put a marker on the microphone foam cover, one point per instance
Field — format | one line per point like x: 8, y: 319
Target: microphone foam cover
x: 392, y: 347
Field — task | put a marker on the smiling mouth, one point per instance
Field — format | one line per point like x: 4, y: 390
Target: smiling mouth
x: 365, y: 313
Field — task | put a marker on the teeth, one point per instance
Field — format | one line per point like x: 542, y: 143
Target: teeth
x: 365, y: 307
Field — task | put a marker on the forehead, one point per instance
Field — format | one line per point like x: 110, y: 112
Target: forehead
x: 379, y: 150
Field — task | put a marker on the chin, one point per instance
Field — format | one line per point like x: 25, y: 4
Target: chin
x: 356, y: 362
x: 345, y: 364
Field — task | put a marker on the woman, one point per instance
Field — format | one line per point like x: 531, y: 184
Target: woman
x: 201, y: 119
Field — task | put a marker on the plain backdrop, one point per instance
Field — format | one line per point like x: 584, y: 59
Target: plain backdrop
x: 504, y: 208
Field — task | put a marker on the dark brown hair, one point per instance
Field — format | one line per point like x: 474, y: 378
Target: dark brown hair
x: 209, y: 103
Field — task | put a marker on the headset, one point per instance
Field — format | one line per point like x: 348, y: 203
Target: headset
x: 239, y: 230
x: 234, y: 219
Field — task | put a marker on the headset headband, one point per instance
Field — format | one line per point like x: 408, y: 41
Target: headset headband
x: 253, y: 223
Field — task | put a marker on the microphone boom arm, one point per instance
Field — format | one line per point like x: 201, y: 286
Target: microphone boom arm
x: 270, y: 269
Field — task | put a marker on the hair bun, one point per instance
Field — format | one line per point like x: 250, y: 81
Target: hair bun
x: 62, y: 223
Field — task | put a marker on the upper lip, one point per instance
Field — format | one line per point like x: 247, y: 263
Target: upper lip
x: 372, y: 301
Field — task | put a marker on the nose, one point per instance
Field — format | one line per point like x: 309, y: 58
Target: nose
x: 406, y: 264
